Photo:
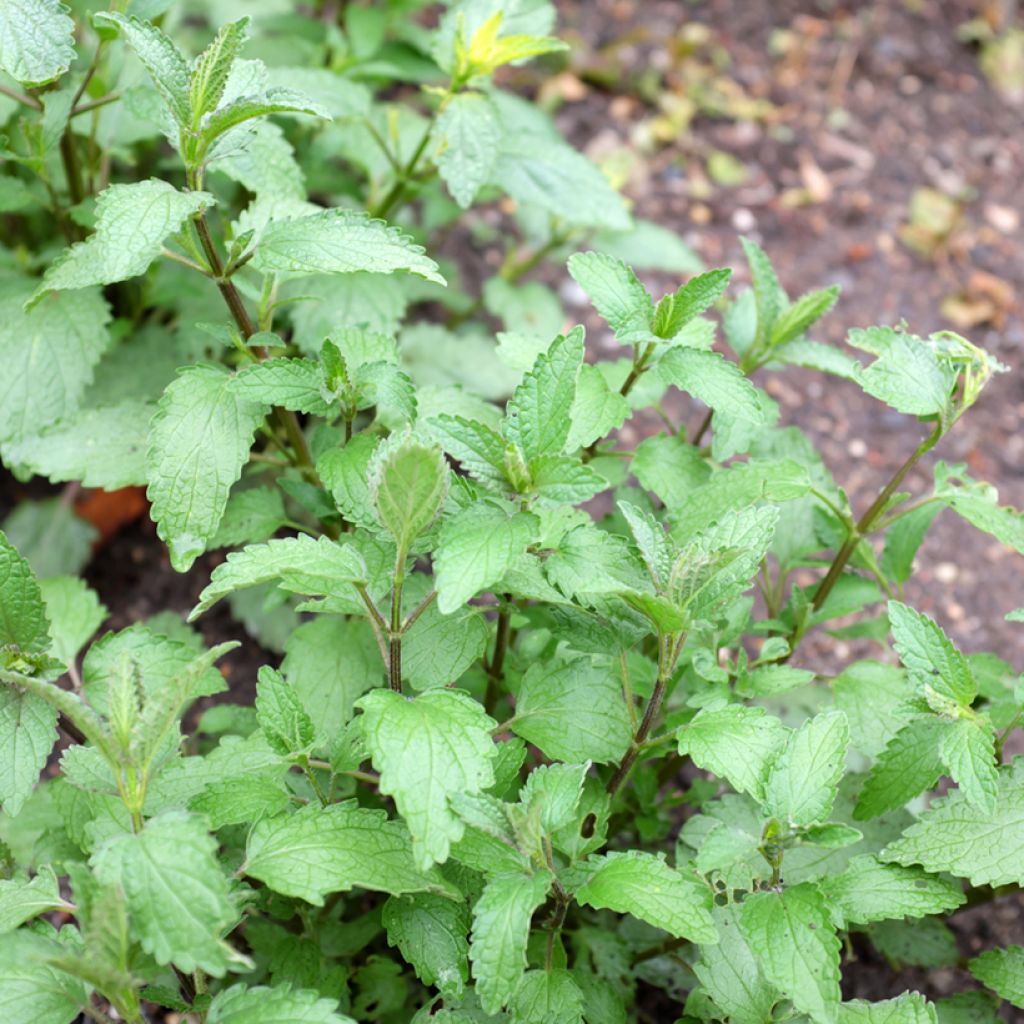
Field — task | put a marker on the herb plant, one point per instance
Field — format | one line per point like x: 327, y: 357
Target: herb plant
x: 541, y: 748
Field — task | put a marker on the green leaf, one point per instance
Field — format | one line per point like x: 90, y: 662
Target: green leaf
x: 426, y: 750
x: 21, y: 899
x: 276, y: 100
x: 467, y: 135
x: 797, y: 947
x: 1002, y: 970
x: 331, y: 662
x: 37, y: 40
x: 903, y: 539
x: 968, y: 748
x: 320, y: 850
x: 24, y: 626
x: 698, y: 295
x: 438, y: 649
x: 431, y: 934
x: 978, y: 503
x: 178, y: 896
x: 620, y: 299
x: 671, y: 468
x: 49, y: 354
x: 344, y: 473
x: 714, y: 380
x: 340, y: 242
x: 303, y: 566
x: 278, y: 1005
x: 907, y: 375
x: 290, y: 383
x: 651, y: 541
x: 803, y: 783
x: 167, y: 68
x: 476, y: 548
x: 210, y: 70
x: 501, y: 928
x: 132, y: 223
x: 408, y: 484
x: 199, y: 442
x: 564, y: 479
x: 737, y: 743
x: 554, y: 792
x: 573, y: 711
x: 910, y: 764
x: 597, y: 411
x: 31, y: 991
x: 250, y: 516
x: 539, y: 414
x: 285, y: 722
x: 908, y: 1008
x: 930, y: 656
x: 240, y: 800
x: 795, y: 320
x: 954, y: 835
x: 101, y: 447
x: 643, y: 885
x: 75, y: 613
x: 547, y: 997
x: 868, y: 890
x: 729, y: 973
x: 480, y: 450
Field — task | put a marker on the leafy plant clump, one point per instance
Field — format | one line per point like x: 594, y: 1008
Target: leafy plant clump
x: 529, y: 756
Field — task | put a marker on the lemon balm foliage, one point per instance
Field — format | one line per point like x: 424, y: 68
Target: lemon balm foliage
x: 528, y: 757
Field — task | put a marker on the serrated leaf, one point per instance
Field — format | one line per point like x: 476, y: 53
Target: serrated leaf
x: 178, y: 896
x: 167, y: 68
x: 340, y: 242
x: 439, y: 648
x: 250, y: 516
x: 210, y: 70
x: 597, y: 410
x: 302, y: 564
x: 573, y: 711
x: 479, y: 449
x: 803, y: 783
x: 955, y: 836
x: 907, y: 374
x: 563, y: 478
x: 199, y: 442
x: 290, y: 383
x: 49, y: 354
x: 699, y: 294
x: 240, y: 800
x: 908, y: 1008
x: 651, y: 541
x: 501, y: 928
x: 285, y: 722
x: 32, y: 991
x: 539, y: 414
x: 101, y: 447
x: 908, y: 766
x: 431, y: 934
x: 24, y: 626
x: 475, y: 549
x: 132, y: 223
x: 868, y: 890
x: 37, y: 40
x: 426, y: 750
x: 737, y: 743
x: 795, y: 320
x: 729, y: 973
x: 408, y: 484
x: 22, y: 899
x: 74, y: 611
x: 467, y: 136
x: 278, y: 1005
x: 769, y: 297
x: 1002, y: 970
x: 333, y: 849
x: 547, y: 997
x: 797, y: 947
x: 930, y: 656
x: 554, y: 791
x: 645, y: 886
x: 978, y: 503
x: 714, y: 380
x: 620, y: 299
x: 968, y: 749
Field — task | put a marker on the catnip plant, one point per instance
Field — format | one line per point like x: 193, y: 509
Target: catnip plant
x: 541, y: 747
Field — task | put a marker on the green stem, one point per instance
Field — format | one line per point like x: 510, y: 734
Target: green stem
x: 637, y: 370
x: 496, y: 667
x: 702, y: 428
x: 868, y: 520
x: 646, y: 723
x: 111, y: 97
x: 397, y: 191
x: 315, y: 782
x: 20, y: 97
x: 395, y: 634
x: 419, y: 610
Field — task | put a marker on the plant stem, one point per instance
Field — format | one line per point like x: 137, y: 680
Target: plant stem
x: 868, y: 520
x: 73, y: 173
x: 637, y: 370
x: 702, y: 428
x: 646, y: 723
x: 315, y: 783
x: 397, y: 191
x: 419, y: 610
x: 496, y: 667
x: 111, y: 97
x: 285, y: 418
x: 395, y: 634
x: 21, y: 97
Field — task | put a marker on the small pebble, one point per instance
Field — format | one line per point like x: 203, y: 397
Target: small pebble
x: 946, y: 572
